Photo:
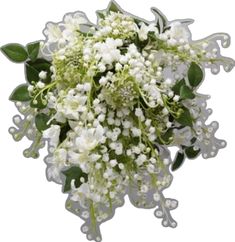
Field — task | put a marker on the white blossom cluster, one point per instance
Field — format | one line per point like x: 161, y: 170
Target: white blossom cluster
x: 116, y: 97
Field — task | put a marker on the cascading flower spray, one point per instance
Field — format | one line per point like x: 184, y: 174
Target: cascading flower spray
x: 111, y: 99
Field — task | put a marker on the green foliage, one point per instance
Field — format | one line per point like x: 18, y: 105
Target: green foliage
x: 166, y: 138
x: 113, y: 7
x: 40, y: 64
x: 15, y: 52
x: 33, y: 50
x: 181, y: 89
x: 186, y: 92
x: 33, y: 68
x: 41, y: 121
x: 63, y: 132
x: 100, y: 14
x: 140, y: 44
x: 176, y: 88
x: 73, y: 173
x: 32, y: 75
x: 191, y: 153
x: 185, y: 118
x: 20, y: 94
x: 161, y: 21
x: 178, y: 161
x: 195, y: 74
x: 40, y: 102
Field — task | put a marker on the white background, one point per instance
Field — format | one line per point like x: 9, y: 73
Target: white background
x: 31, y: 209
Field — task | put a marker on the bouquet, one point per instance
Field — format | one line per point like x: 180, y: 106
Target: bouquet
x: 110, y: 100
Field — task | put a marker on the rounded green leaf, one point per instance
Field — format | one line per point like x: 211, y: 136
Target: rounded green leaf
x: 41, y: 121
x: 186, y: 93
x: 185, y: 118
x: 32, y: 74
x: 176, y: 88
x: 195, y: 74
x: 33, y: 50
x: 20, y: 94
x: 40, y: 64
x: 15, y: 52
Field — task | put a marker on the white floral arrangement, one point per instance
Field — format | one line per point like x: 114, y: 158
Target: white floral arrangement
x: 111, y: 99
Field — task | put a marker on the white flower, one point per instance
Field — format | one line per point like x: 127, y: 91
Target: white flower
x: 154, y: 92
x: 118, y: 149
x: 90, y: 138
x: 135, y: 132
x: 53, y: 173
x: 43, y: 75
x: 72, y: 22
x: 176, y: 98
x: 103, y: 80
x: 87, y: 87
x: 79, y: 194
x: 145, y: 29
x: 144, y: 188
x: 101, y: 67
x: 53, y: 33
x: 108, y: 50
x: 40, y: 85
x: 156, y: 197
x: 113, y: 163
x: 118, y: 67
x: 57, y: 162
x: 71, y: 106
x: 83, y: 159
x: 179, y: 31
x: 150, y: 168
x: 138, y: 112
x: 141, y: 159
x: 182, y: 136
x: 30, y: 88
x: 53, y: 134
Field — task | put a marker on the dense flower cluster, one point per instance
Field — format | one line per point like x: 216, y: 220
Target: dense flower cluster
x: 111, y: 99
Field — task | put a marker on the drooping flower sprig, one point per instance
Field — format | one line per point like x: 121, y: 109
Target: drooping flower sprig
x: 111, y: 99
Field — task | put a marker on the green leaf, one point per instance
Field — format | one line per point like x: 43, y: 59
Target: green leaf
x: 40, y: 64
x: 20, y: 94
x: 166, y: 137
x: 114, y: 7
x: 185, y: 118
x: 32, y: 74
x: 41, y: 121
x: 73, y: 173
x: 33, y: 50
x: 191, y: 153
x: 176, y: 88
x: 161, y: 20
x: 100, y: 14
x: 15, y: 52
x: 195, y: 74
x: 63, y: 132
x: 186, y: 93
x: 178, y: 161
